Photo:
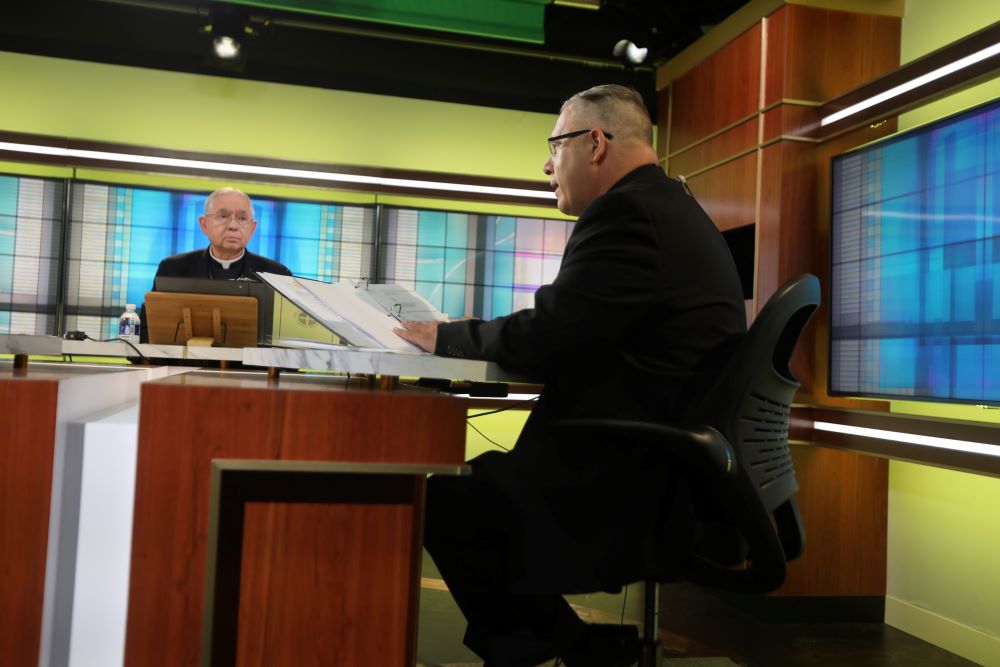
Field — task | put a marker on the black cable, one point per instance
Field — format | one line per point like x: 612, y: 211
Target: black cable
x: 624, y: 600
x: 506, y: 407
x: 112, y: 340
x: 484, y: 435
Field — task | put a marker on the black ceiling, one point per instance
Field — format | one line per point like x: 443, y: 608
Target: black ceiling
x: 367, y: 57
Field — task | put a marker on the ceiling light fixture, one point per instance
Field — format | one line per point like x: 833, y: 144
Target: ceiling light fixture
x: 627, y: 51
x: 226, y: 47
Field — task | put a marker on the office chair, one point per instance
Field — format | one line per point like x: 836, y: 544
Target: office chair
x: 737, y: 456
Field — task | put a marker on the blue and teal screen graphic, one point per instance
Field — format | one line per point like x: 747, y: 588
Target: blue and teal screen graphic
x: 915, y: 263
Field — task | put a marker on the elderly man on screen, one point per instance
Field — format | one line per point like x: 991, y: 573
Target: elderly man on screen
x: 645, y: 309
x: 229, y: 224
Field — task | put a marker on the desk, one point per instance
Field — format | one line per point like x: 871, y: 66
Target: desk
x: 41, y: 462
x: 322, y: 584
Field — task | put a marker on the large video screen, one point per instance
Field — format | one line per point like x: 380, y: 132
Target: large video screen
x: 915, y: 263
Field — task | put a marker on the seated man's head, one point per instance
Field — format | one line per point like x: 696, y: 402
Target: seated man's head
x: 601, y: 134
x: 228, y: 222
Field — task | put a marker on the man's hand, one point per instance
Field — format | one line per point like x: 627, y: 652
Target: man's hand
x: 422, y: 334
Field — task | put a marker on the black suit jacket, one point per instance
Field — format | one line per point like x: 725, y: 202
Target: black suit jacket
x: 646, y: 306
x: 197, y: 264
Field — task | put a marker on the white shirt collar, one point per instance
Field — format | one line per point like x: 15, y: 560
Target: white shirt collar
x: 226, y: 263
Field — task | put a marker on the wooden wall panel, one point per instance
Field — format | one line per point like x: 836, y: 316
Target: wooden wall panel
x: 811, y: 55
x: 718, y: 92
x: 789, y: 120
x: 831, y: 52
x: 187, y: 421
x: 843, y: 498
x: 27, y: 439
x: 729, y: 143
x: 776, y: 56
x: 727, y: 192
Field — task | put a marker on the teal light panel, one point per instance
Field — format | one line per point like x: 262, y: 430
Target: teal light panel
x: 471, y: 265
x: 30, y: 240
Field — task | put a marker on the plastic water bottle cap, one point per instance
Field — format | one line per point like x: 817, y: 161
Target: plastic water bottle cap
x: 129, y: 306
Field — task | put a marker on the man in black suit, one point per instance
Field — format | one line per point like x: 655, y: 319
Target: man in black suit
x: 646, y: 306
x: 229, y: 224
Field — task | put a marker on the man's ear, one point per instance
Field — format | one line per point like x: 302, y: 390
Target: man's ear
x: 204, y: 225
x: 599, y: 147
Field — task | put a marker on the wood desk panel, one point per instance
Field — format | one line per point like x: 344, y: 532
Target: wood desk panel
x: 297, y: 559
x: 27, y: 438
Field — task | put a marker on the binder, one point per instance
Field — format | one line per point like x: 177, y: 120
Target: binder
x: 360, y: 313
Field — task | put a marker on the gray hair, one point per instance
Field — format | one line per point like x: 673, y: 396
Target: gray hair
x: 228, y: 191
x: 617, y: 109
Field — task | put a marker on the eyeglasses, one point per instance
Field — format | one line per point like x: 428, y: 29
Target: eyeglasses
x: 242, y: 219
x: 556, y: 141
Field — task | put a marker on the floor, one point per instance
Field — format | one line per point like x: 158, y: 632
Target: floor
x: 702, y: 631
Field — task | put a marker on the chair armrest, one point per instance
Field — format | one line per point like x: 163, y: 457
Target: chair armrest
x: 702, y: 447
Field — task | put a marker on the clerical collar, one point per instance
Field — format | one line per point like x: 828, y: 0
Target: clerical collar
x: 226, y: 263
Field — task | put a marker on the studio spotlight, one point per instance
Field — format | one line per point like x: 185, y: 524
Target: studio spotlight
x: 230, y: 31
x: 226, y: 47
x: 627, y: 50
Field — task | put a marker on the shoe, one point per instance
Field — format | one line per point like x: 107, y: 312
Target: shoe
x: 605, y: 645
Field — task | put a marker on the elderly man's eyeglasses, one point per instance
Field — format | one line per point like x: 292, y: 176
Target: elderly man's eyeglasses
x: 241, y: 219
x: 557, y: 141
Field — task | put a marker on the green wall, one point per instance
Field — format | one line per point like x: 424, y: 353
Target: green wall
x: 83, y: 100
x: 943, y: 582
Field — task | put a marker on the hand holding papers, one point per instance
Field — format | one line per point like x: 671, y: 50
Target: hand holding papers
x: 363, y: 316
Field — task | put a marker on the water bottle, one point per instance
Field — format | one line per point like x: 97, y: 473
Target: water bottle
x: 128, y: 324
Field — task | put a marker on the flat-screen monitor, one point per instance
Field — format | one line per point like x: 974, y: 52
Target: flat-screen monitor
x: 742, y: 245
x: 915, y: 263
x: 260, y: 291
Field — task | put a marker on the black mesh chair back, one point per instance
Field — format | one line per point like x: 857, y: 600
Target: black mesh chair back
x: 750, y: 405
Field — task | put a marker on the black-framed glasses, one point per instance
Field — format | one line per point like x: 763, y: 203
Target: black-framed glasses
x: 553, y: 141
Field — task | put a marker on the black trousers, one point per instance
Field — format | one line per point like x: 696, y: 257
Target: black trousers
x: 469, y: 532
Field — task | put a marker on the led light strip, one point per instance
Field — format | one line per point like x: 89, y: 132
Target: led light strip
x: 273, y: 171
x: 961, y: 63
x: 509, y: 397
x: 911, y: 438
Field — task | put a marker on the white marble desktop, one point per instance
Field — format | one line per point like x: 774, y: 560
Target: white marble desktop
x: 379, y: 362
x: 327, y: 358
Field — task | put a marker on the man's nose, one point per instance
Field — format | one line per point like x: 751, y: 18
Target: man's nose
x: 547, y: 167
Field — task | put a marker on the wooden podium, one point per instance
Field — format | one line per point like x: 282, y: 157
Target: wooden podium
x: 328, y: 575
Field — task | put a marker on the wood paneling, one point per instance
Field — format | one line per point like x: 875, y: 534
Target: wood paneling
x: 305, y: 565
x: 185, y: 422
x: 27, y: 439
x: 727, y: 192
x: 830, y: 51
x: 776, y: 56
x: 811, y: 55
x: 729, y: 143
x: 718, y: 92
x: 789, y: 119
x: 843, y: 499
